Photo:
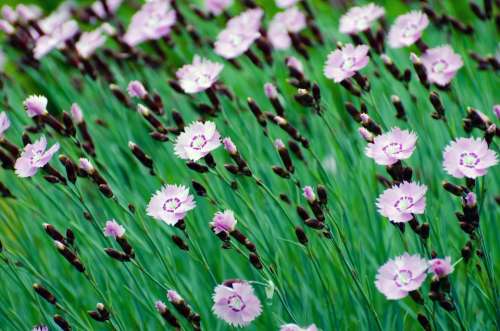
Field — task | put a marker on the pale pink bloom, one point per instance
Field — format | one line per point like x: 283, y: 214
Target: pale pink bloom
x: 170, y: 204
x: 290, y: 21
x: 56, y: 18
x: 344, y: 63
x: 359, y: 19
x: 232, y: 42
x: 441, y: 64
x: 198, y: 76
x: 28, y: 12
x: 113, y: 229
x: 441, y: 267
x: 197, y: 140
x: 407, y: 29
x: 173, y: 296
x: 270, y: 90
x: 136, y: 90
x: 496, y: 111
x: 295, y: 327
x: 4, y: 123
x: 40, y: 328
x: 294, y: 63
x: 216, y: 7
x: 279, y: 144
x: 34, y: 157
x: 6, y: 27
x: 400, y: 202
x: 367, y: 135
x: 470, y: 199
x: 401, y: 275
x: 250, y: 19
x: 229, y: 146
x: 308, y: 193
x: 468, y: 157
x: 160, y: 305
x: 223, y: 222
x: 56, y: 39
x: 89, y: 42
x: 35, y: 105
x: 76, y: 113
x: 86, y: 165
x: 9, y: 14
x: 236, y: 303
x: 153, y: 21
x: 99, y: 10
x: 286, y: 3
x: 390, y: 147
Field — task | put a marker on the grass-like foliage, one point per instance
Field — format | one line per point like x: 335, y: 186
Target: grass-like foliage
x: 361, y: 199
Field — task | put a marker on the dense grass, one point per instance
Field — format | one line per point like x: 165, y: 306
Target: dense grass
x: 312, y: 285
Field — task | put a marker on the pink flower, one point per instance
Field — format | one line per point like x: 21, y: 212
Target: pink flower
x: 198, y: 76
x: 9, y: 14
x: 407, y: 29
x: 136, y: 89
x: 216, y: 7
x: 153, y: 21
x: 28, y: 12
x: 76, y: 113
x: 56, y: 39
x: 160, y: 305
x: 59, y: 16
x: 286, y: 3
x: 248, y: 20
x: 294, y: 63
x: 86, y: 165
x: 344, y: 63
x: 6, y: 27
x: 112, y: 5
x: 40, y: 328
x: 35, y: 105
x: 223, y: 222
x: 441, y: 267
x: 470, y: 200
x: 400, y: 202
x: 270, y: 90
x: 170, y: 204
x: 397, y: 277
x: 232, y: 42
x: 496, y: 111
x: 359, y: 19
x: 309, y: 193
x: 4, y: 123
x: 441, y: 64
x: 468, y: 157
x: 34, y: 157
x: 197, y: 140
x: 295, y: 327
x: 89, y: 42
x: 392, y: 146
x: 236, y: 303
x: 292, y: 20
x: 279, y: 144
x: 229, y: 146
x: 113, y: 229
x: 367, y: 135
x: 173, y: 296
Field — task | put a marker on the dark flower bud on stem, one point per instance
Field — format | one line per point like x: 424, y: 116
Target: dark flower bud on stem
x: 53, y: 232
x: 117, y: 255
x: 62, y: 323
x: 69, y: 256
x: 106, y: 190
x: 141, y: 155
x: 180, y: 243
x: 70, y: 167
x: 255, y: 261
x: 424, y: 322
x: 44, y: 293
x: 301, y: 235
x: 257, y: 112
x: 398, y: 105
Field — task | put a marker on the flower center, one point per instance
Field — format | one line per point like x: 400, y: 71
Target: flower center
x: 198, y: 142
x: 403, y: 203
x: 235, y: 40
x: 236, y: 303
x: 392, y: 148
x: 36, y: 157
x: 348, y: 63
x: 409, y: 30
x: 171, y: 205
x: 439, y: 66
x: 362, y: 22
x: 403, y: 278
x: 203, y: 79
x: 469, y: 160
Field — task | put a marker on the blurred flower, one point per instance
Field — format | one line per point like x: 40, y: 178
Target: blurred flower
x: 56, y: 39
x: 6, y: 27
x: 35, y: 105
x: 136, y: 89
x: 496, y: 111
x: 223, y: 222
x: 170, y: 204
x: 401, y: 275
x: 28, y: 12
x: 9, y: 14
x: 113, y: 229
x: 153, y: 21
x: 89, y: 42
x: 367, y: 135
x: 392, y: 146
x: 98, y: 8
x: 407, y: 29
x: 295, y: 327
x: 229, y: 146
x: 359, y: 19
x: 173, y: 296
x: 4, y: 123
x: 160, y: 305
x: 270, y: 90
x: 33, y: 157
x: 40, y: 328
x: 197, y: 140
x: 309, y: 193
x: 198, y: 76
x: 344, y: 63
x: 216, y: 7
x: 56, y: 18
x: 76, y: 113
x: 279, y: 144
x: 290, y: 21
x: 248, y: 20
x: 441, y: 267
x: 232, y: 42
x: 286, y: 3
x: 400, y: 202
x: 468, y: 157
x: 86, y: 165
x: 470, y: 199
x: 441, y: 64
x: 236, y: 303
x: 293, y: 62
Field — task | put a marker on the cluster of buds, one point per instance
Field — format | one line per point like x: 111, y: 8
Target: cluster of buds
x: 485, y: 14
x: 116, y: 231
x: 469, y: 217
x: 296, y: 73
x: 440, y: 291
x: 240, y: 167
x: 167, y: 315
x: 77, y: 115
x: 369, y: 124
x: 101, y: 314
x: 67, y: 239
x: 477, y: 119
x: 152, y: 100
x: 317, y: 204
x: 184, y: 309
x: 289, y: 129
x: 489, y: 62
x: 86, y: 169
x: 444, y: 19
x: 403, y: 77
x: 310, y: 98
x: 70, y: 255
